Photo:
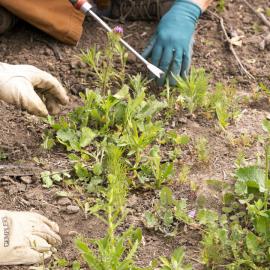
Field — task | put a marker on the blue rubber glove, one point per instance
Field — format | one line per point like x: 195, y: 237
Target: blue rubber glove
x: 170, y: 48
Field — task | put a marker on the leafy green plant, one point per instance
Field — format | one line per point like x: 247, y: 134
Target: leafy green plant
x: 50, y: 178
x: 162, y: 172
x: 3, y: 155
x: 103, y: 64
x: 184, y: 173
x: 239, y: 238
x: 268, y: 12
x: 124, y: 119
x: 193, y: 90
x: 202, y: 149
x: 113, y: 141
x: 113, y: 251
x: 168, y: 213
x: 221, y: 5
x: 224, y: 102
x: 265, y: 89
x: 176, y: 261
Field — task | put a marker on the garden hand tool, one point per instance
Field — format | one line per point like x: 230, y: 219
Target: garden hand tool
x: 21, y: 84
x: 86, y: 8
x: 26, y: 237
x: 171, y: 46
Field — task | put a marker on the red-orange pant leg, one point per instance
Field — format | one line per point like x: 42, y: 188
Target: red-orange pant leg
x: 58, y: 18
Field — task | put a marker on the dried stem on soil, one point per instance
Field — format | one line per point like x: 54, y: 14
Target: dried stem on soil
x: 257, y: 13
x: 221, y: 21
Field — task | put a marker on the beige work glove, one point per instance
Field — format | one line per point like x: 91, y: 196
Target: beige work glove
x: 25, y: 86
x: 26, y: 238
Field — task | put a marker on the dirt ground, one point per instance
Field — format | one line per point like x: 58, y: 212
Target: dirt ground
x: 21, y: 133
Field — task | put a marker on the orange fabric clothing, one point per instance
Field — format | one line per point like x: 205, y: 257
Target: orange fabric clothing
x: 58, y: 18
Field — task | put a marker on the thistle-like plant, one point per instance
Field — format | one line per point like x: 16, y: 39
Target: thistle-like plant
x: 113, y: 251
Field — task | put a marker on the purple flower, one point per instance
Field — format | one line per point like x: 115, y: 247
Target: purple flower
x: 192, y: 214
x: 118, y: 30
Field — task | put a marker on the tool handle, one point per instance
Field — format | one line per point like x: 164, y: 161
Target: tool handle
x: 108, y: 28
x: 85, y: 7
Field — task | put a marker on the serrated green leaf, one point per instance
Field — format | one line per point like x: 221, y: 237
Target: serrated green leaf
x: 252, y: 177
x: 57, y: 177
x: 266, y: 125
x: 123, y: 93
x: 87, y: 136
x: 207, y: 217
x: 46, y: 179
x: 166, y: 197
x: 150, y: 219
x: 252, y: 242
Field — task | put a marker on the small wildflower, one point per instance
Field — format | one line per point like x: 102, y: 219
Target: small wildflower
x: 118, y: 30
x: 192, y: 214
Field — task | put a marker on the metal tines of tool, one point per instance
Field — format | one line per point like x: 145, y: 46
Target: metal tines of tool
x: 85, y: 7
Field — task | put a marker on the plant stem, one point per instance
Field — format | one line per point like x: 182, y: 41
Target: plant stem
x: 266, y: 193
x: 110, y: 225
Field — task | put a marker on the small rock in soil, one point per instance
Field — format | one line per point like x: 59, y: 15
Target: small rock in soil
x: 47, y: 52
x: 64, y: 201
x: 77, y: 63
x: 73, y: 233
x: 5, y: 180
x: 72, y: 209
x: 26, y: 179
x: 15, y: 189
x: 182, y: 120
x: 131, y: 58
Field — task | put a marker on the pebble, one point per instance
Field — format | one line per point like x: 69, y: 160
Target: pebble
x: 182, y: 120
x: 131, y: 58
x: 26, y: 179
x: 77, y: 63
x: 47, y: 52
x: 15, y: 189
x: 64, y: 201
x: 73, y: 233
x: 72, y: 209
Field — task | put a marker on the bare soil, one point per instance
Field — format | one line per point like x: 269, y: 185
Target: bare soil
x: 21, y: 133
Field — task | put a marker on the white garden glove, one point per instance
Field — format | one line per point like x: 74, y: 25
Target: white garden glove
x: 25, y: 85
x: 26, y: 238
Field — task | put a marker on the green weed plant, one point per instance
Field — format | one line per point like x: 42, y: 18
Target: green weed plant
x: 168, y: 213
x: 113, y: 141
x: 113, y: 251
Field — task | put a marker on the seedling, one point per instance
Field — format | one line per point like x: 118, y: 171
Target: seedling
x: 3, y: 155
x: 176, y: 261
x: 114, y: 141
x: 221, y: 5
x: 113, y: 251
x: 51, y: 178
x: 168, y: 213
x: 102, y: 64
x: 202, y: 149
x: 239, y: 239
x: 184, y: 174
x: 224, y: 102
x: 193, y: 90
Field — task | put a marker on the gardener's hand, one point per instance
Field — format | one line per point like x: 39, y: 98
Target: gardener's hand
x: 25, y: 86
x: 26, y: 238
x: 170, y: 48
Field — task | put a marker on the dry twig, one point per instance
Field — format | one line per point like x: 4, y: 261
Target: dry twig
x: 221, y: 21
x: 258, y: 14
